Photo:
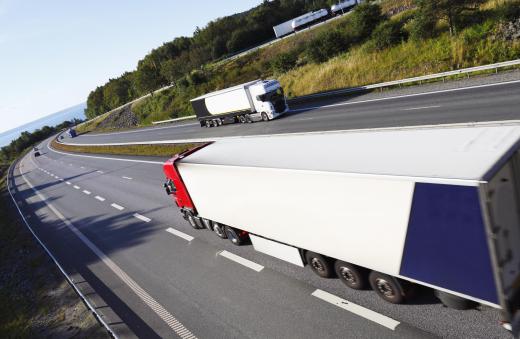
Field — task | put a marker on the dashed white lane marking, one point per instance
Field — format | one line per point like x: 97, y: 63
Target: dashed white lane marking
x: 142, y: 217
x: 70, y: 164
x: 418, y: 108
x: 382, y: 320
x: 76, y: 187
x: 82, y: 167
x: 242, y: 261
x: 180, y: 234
x: 99, y: 198
x: 166, y: 316
x: 68, y: 183
x: 60, y: 179
x: 127, y: 178
x: 117, y: 207
x: 101, y: 172
x: 86, y: 192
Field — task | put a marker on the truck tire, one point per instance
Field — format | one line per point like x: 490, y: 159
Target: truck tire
x: 248, y: 119
x: 192, y: 222
x: 241, y: 119
x: 233, y: 235
x: 387, y: 287
x: 455, y: 302
x: 219, y: 230
x: 208, y: 124
x: 265, y: 117
x: 351, y: 275
x: 319, y: 264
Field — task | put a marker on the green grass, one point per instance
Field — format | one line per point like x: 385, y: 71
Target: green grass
x: 166, y: 150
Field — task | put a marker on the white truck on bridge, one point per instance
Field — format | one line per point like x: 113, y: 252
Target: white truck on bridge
x: 389, y: 208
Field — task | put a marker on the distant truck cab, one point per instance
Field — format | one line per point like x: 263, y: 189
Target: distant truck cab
x: 253, y: 101
x: 71, y: 133
x: 36, y: 152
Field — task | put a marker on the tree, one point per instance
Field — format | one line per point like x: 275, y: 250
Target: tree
x: 325, y: 46
x: 387, y: 34
x: 365, y: 19
x: 148, y: 77
x: 284, y: 62
x: 451, y: 10
x: 424, y: 22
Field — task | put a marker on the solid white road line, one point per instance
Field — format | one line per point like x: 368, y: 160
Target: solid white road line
x: 76, y: 187
x: 117, y: 207
x: 242, y: 261
x: 419, y: 108
x: 86, y: 192
x: 127, y: 178
x: 99, y: 198
x: 180, y: 234
x: 142, y: 217
x: 166, y: 316
x: 382, y: 320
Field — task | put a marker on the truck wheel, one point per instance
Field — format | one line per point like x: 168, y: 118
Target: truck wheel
x: 241, y: 119
x: 455, y: 302
x: 265, y: 117
x: 248, y: 119
x: 351, y: 275
x: 192, y: 222
x: 387, y: 287
x: 234, y: 236
x: 208, y: 123
x: 219, y: 230
x: 319, y: 264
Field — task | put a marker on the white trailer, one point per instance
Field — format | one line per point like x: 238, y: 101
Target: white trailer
x: 435, y: 206
x: 252, y: 101
x: 343, y: 6
x: 283, y: 29
x: 309, y: 18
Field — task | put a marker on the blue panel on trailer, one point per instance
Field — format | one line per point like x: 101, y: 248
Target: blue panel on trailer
x: 446, y: 241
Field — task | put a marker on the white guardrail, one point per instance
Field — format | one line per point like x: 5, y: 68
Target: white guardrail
x: 174, y: 120
x: 413, y: 80
x: 83, y: 298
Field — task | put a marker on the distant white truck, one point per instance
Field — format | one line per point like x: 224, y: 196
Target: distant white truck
x: 253, y: 101
x: 309, y: 18
x: 343, y: 6
x: 283, y: 29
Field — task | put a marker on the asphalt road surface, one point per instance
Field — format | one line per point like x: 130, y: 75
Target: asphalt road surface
x: 417, y: 106
x: 124, y: 242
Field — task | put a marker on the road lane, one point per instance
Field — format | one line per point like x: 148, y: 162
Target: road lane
x: 497, y: 102
x: 207, y: 292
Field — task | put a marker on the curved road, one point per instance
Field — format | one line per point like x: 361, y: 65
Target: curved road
x: 109, y: 223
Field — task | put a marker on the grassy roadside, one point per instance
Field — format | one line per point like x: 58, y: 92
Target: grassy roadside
x: 35, y: 299
x: 166, y: 150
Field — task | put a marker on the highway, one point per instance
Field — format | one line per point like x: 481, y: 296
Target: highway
x: 418, y: 106
x: 111, y: 226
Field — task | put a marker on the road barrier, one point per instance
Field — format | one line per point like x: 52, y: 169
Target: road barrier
x: 411, y: 80
x: 174, y: 120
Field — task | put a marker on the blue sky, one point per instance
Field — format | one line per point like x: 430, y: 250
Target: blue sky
x: 53, y: 53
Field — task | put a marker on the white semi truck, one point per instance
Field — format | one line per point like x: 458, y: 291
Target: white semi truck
x: 389, y: 208
x: 309, y: 18
x: 249, y: 102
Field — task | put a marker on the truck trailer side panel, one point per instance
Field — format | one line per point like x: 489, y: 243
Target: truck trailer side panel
x: 358, y: 220
x: 283, y: 29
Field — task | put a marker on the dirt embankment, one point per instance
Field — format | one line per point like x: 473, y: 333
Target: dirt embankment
x: 35, y: 299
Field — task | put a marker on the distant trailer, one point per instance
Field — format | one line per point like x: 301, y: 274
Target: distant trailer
x: 343, y: 6
x: 308, y: 19
x: 283, y: 29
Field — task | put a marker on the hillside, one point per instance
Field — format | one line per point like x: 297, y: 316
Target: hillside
x: 384, y: 41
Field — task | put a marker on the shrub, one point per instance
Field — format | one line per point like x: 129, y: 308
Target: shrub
x: 365, y: 19
x: 387, y: 34
x: 325, y: 46
x: 283, y: 62
x: 423, y: 24
x: 510, y: 11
